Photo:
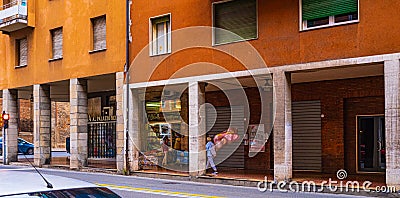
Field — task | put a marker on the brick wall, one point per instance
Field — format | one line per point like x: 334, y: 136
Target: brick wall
x: 357, y: 106
x: 25, y: 116
x: 332, y: 95
x: 25, y: 127
x: 60, y: 124
x: 262, y: 161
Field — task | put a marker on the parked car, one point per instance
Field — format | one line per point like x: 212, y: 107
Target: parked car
x: 23, y: 146
x: 15, y: 183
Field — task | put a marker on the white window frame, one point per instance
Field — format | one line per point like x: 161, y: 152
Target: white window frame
x: 213, y: 24
x: 303, y: 24
x: 153, y: 32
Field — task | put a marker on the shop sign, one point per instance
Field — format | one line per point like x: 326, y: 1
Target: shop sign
x: 102, y: 118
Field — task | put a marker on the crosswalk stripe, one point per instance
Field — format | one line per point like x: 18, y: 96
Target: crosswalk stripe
x: 156, y: 191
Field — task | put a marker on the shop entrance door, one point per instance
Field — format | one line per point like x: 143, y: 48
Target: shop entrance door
x: 371, y: 143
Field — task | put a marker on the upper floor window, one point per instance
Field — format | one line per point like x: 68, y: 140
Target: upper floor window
x: 322, y: 13
x: 160, y: 35
x: 99, y: 33
x: 22, y: 52
x: 57, y: 43
x: 234, y: 20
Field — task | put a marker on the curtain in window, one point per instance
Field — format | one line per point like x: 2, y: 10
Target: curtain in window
x: 238, y: 17
x: 314, y: 9
x: 161, y: 40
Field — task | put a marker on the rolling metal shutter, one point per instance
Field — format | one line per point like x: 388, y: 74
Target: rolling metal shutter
x: 99, y: 33
x: 314, y: 9
x: 23, y: 52
x: 237, y: 16
x: 306, y: 118
x: 223, y: 117
x: 57, y: 37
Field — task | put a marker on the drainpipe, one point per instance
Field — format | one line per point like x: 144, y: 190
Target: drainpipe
x: 126, y: 70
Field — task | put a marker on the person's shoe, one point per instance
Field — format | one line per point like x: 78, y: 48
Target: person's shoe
x: 215, y: 173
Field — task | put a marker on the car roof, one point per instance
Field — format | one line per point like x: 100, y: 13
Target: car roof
x: 1, y: 139
x: 20, y: 182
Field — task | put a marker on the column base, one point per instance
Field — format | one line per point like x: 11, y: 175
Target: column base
x: 282, y: 172
x: 392, y: 178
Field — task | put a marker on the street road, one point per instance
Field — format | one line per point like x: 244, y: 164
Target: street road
x: 131, y: 186
x: 53, y: 154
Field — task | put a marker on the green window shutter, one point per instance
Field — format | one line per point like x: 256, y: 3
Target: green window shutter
x: 238, y: 17
x: 314, y: 9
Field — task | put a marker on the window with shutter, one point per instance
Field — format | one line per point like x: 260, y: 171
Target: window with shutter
x: 235, y: 20
x: 22, y: 50
x: 160, y: 35
x: 317, y: 13
x: 57, y: 43
x: 99, y: 33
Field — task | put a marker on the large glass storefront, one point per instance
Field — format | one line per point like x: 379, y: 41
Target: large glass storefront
x: 164, y: 129
x: 237, y: 117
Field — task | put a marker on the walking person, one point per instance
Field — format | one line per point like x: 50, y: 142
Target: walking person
x: 211, y: 154
x: 164, y: 147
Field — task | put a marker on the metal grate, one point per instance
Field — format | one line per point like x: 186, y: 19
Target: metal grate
x: 102, y: 139
x: 307, y: 148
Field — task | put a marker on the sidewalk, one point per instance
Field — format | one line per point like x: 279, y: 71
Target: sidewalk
x: 230, y: 179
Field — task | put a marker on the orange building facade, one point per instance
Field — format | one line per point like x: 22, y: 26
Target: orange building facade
x: 282, y: 87
x: 64, y: 52
x: 319, y: 81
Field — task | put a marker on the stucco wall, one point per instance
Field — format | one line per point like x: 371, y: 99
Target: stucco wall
x: 280, y: 41
x: 74, y: 17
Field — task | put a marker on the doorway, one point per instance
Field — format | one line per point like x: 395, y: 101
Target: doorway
x: 371, y: 143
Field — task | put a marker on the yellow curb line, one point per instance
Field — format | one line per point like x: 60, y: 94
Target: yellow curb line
x: 153, y: 191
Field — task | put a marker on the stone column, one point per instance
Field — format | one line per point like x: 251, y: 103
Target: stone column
x: 392, y: 122
x: 282, y: 126
x: 120, y: 120
x: 185, y: 121
x: 78, y: 123
x: 197, y: 129
x: 41, y: 124
x: 134, y: 128
x: 10, y: 99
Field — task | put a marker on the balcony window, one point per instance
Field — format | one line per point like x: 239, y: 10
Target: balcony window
x: 12, y: 11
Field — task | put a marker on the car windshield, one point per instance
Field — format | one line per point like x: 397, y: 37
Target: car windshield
x: 71, y: 193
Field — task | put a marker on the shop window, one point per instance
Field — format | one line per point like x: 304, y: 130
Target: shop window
x: 22, y: 52
x: 234, y: 21
x: 57, y: 43
x: 160, y: 35
x: 164, y: 132
x: 322, y: 13
x: 99, y: 33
